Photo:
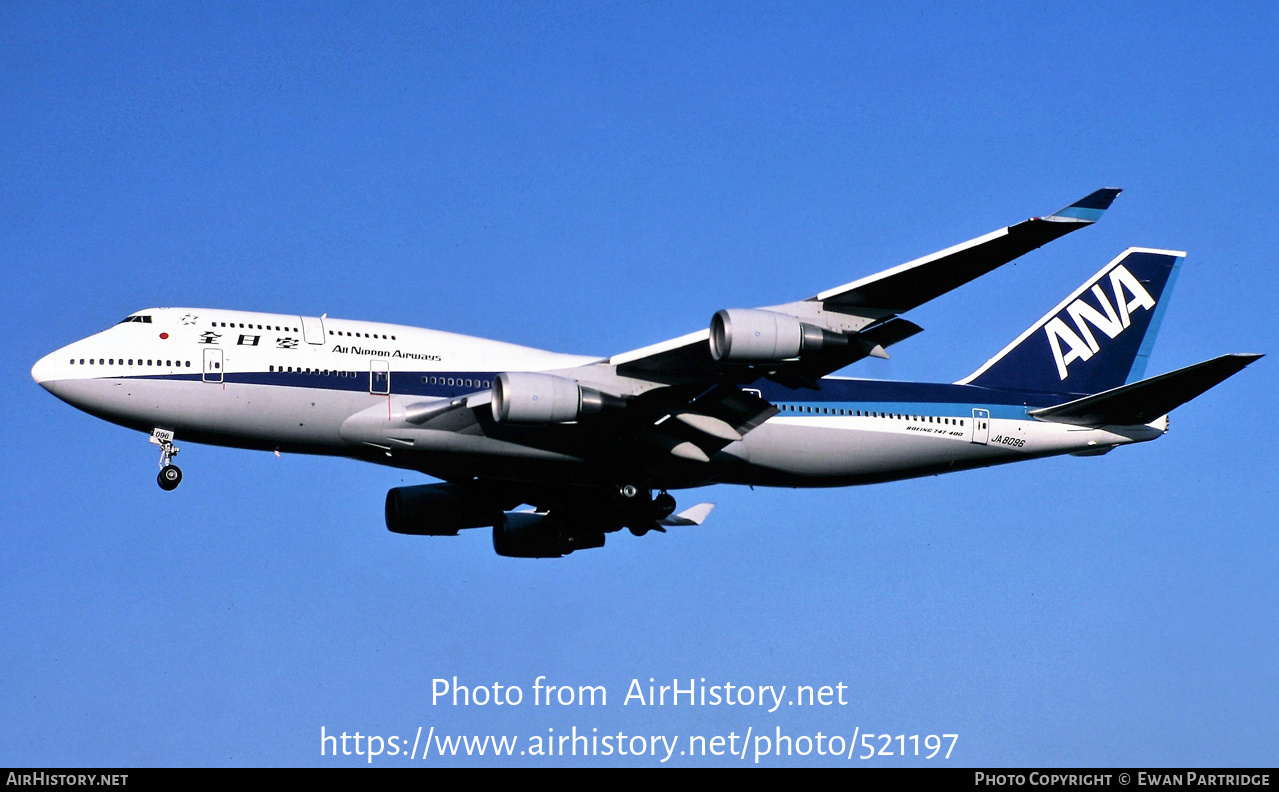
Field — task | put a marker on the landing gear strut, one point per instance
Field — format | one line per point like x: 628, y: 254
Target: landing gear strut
x: 170, y: 474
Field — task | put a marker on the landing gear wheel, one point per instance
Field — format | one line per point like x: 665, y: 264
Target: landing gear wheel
x: 170, y: 477
x: 663, y: 505
x: 628, y: 491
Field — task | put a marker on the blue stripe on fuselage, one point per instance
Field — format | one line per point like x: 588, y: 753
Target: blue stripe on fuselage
x: 841, y: 391
x: 402, y: 382
x: 922, y: 409
x: 915, y: 398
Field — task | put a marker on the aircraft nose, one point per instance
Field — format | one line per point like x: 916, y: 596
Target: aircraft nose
x: 44, y: 370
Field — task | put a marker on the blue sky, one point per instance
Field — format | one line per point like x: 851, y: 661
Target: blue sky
x: 592, y: 178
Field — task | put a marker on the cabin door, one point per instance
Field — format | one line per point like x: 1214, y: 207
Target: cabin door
x: 379, y: 377
x: 981, y: 426
x: 313, y: 329
x: 212, y: 364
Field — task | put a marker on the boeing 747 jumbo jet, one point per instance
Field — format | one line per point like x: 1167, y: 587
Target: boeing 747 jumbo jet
x: 586, y: 441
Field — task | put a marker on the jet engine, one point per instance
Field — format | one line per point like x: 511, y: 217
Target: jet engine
x: 438, y: 510
x: 531, y: 535
x: 529, y: 397
x: 748, y: 335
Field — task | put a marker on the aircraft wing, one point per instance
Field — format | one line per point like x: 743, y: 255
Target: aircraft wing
x: 699, y: 407
x: 686, y: 397
x: 916, y: 282
x: 864, y: 312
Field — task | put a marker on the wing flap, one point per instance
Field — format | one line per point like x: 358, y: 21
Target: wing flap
x: 696, y: 429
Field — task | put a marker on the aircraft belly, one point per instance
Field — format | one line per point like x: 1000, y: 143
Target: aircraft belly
x: 815, y: 451
x: 837, y: 451
x: 237, y: 412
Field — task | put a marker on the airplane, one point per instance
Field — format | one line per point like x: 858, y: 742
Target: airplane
x: 587, y: 441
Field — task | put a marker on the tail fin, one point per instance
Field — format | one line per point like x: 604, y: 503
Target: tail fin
x: 1144, y: 401
x: 1098, y: 338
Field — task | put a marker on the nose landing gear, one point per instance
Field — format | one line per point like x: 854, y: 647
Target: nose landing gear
x: 170, y: 474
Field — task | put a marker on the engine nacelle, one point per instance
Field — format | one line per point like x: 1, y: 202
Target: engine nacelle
x: 529, y: 397
x: 749, y: 335
x: 529, y: 535
x: 438, y: 510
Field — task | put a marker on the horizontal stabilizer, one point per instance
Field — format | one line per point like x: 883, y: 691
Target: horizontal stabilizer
x: 694, y: 515
x: 1142, y: 402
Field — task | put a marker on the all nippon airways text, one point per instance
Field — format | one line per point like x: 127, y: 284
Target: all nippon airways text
x: 690, y: 692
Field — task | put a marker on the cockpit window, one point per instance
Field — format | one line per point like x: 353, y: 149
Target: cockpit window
x: 143, y: 319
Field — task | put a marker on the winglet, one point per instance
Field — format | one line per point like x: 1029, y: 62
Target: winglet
x: 1088, y: 209
x: 695, y: 515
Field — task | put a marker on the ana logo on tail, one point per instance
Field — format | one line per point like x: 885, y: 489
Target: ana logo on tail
x: 1130, y: 295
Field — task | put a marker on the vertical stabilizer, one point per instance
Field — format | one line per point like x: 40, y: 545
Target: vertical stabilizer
x: 1098, y: 338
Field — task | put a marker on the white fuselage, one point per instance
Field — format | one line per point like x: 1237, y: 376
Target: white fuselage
x: 335, y: 386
